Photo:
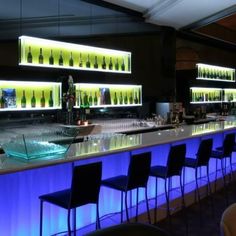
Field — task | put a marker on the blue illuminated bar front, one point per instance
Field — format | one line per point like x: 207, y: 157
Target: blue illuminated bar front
x: 21, y: 183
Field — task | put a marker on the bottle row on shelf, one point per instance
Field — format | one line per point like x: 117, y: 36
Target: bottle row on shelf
x: 104, y: 97
x: 9, y: 99
x: 80, y: 60
x: 219, y: 95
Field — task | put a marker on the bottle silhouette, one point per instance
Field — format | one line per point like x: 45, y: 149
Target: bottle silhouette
x: 88, y: 64
x: 71, y: 61
x: 95, y: 100
x: 80, y: 60
x: 42, y: 100
x: 110, y: 64
x: 121, y: 98
x: 104, y: 63
x: 33, y: 100
x: 29, y: 56
x: 126, y: 98
x: 90, y: 99
x: 51, y: 59
x: 115, y: 99
x: 40, y: 56
x: 131, y: 99
x: 50, y: 101
x: 117, y: 64
x: 60, y: 62
x: 95, y: 62
x: 135, y: 98
x: 23, y: 100
x: 123, y: 65
x: 2, y: 100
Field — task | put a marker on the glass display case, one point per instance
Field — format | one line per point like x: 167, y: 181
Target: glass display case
x: 205, y: 95
x: 54, y: 54
x: 25, y: 95
x: 107, y: 95
x: 39, y: 142
x: 229, y: 95
x: 216, y: 73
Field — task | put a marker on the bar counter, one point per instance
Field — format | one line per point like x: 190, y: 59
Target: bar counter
x: 22, y: 182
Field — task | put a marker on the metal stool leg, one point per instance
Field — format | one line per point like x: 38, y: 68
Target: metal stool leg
x: 224, y: 180
x: 216, y: 174
x: 41, y: 218
x: 126, y: 207
x: 74, y: 221
x: 136, y: 217
x: 210, y: 192
x: 68, y: 222
x: 148, y: 211
x: 98, y: 224
x: 121, y: 208
x: 155, y: 212
x: 183, y: 204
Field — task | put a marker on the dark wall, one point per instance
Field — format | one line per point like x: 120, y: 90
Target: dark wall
x: 153, y: 63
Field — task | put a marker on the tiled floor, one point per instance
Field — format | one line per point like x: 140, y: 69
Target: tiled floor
x: 209, y: 224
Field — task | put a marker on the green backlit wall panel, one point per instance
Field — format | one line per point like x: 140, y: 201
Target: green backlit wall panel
x: 39, y: 52
x: 12, y: 92
x: 215, y: 73
x: 108, y: 95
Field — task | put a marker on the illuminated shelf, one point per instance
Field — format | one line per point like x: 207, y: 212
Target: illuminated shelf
x: 200, y: 95
x: 26, y: 96
x: 54, y: 54
x: 107, y: 95
x: 215, y: 73
x: 229, y: 95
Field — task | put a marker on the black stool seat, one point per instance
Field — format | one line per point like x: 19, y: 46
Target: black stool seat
x: 119, y: 182
x: 137, y: 177
x: 219, y: 153
x: 159, y: 171
x: 190, y: 162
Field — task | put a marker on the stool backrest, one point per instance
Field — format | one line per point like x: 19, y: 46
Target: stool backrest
x: 176, y: 159
x: 204, y: 152
x: 85, y: 186
x: 228, y: 144
x: 139, y: 169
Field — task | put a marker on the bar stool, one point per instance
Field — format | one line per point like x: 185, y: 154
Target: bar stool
x: 221, y: 153
x: 202, y: 160
x: 85, y: 188
x: 137, y: 177
x: 174, y: 167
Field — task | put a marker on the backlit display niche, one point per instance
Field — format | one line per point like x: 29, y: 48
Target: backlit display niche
x: 107, y: 95
x: 22, y: 95
x: 229, y: 95
x: 55, y: 54
x: 205, y: 95
x: 218, y: 73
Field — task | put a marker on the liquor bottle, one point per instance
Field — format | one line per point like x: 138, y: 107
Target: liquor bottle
x: 233, y: 75
x: 33, y: 100
x: 86, y: 101
x: 199, y: 72
x: 131, y: 99
x: 71, y: 61
x: 23, y: 100
x: 121, y: 98
x: 50, y: 101
x: 40, y: 56
x: 90, y: 99
x: 135, y: 98
x: 126, y: 98
x: 29, y: 56
x: 95, y: 100
x: 207, y: 73
x: 60, y: 62
x: 42, y: 100
x: 117, y: 64
x: 203, y: 72
x: 2, y: 101
x: 123, y: 65
x: 88, y: 62
x: 115, y: 99
x: 80, y: 60
x: 104, y: 63
x: 51, y: 59
x: 95, y: 62
x: 110, y: 64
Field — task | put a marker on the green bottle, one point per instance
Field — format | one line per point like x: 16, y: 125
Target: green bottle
x: 42, y: 100
x: 86, y: 101
x: 60, y: 62
x: 123, y: 65
x: 71, y: 61
x: 2, y: 101
x: 104, y: 66
x: 33, y: 100
x: 88, y: 64
x: 29, y: 56
x: 117, y: 64
x: 95, y: 100
x: 40, y: 56
x: 131, y: 100
x: 110, y: 64
x: 90, y: 99
x: 51, y: 59
x: 126, y: 98
x: 135, y: 98
x: 50, y: 101
x: 95, y: 62
x: 115, y: 99
x: 121, y: 98
x: 23, y: 100
x: 80, y: 60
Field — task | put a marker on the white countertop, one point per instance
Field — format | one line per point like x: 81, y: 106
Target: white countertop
x: 104, y: 145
